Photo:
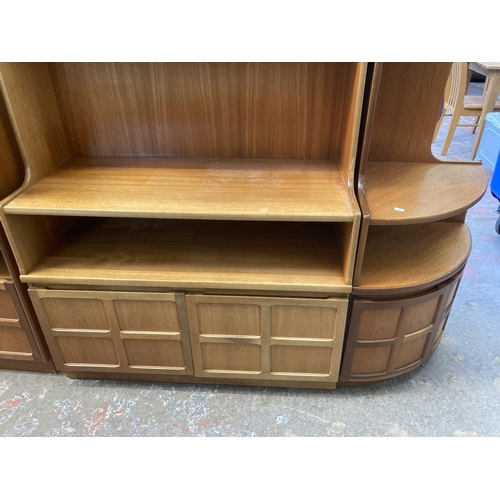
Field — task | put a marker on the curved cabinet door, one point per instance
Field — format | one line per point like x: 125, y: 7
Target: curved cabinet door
x: 389, y: 337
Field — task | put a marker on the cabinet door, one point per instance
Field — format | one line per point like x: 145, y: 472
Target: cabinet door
x: 390, y: 337
x: 115, y: 331
x: 266, y: 338
x: 14, y: 342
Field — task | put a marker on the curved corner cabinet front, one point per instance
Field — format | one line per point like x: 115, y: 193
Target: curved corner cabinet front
x: 389, y: 337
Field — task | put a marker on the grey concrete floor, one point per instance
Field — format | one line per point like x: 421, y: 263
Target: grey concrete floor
x: 456, y: 393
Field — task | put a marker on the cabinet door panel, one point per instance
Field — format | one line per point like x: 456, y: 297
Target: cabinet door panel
x: 301, y: 359
x: 390, y: 337
x: 370, y: 361
x: 87, y: 351
x: 231, y: 357
x: 76, y: 314
x: 412, y: 350
x: 14, y: 329
x: 166, y: 354
x: 379, y: 324
x: 13, y: 340
x: 119, y: 331
x: 7, y: 309
x: 151, y: 316
x: 229, y: 319
x: 303, y: 322
x: 266, y: 338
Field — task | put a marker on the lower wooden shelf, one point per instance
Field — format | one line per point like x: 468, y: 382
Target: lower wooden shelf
x: 409, y: 259
x: 190, y: 254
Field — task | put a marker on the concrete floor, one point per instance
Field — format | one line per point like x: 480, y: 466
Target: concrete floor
x: 456, y: 393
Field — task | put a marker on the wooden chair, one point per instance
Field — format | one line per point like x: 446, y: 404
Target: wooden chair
x: 458, y: 104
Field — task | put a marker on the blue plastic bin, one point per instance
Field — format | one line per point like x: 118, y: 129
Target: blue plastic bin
x: 489, y: 154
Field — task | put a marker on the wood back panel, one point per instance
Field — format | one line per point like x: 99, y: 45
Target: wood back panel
x: 11, y: 163
x: 351, y: 129
x: 30, y: 99
x: 32, y: 236
x: 207, y: 110
x: 407, y: 108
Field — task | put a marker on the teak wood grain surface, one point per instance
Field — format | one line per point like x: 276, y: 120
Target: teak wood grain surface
x: 266, y: 338
x: 115, y: 331
x: 11, y: 164
x: 4, y: 272
x: 407, y: 104
x: 402, y: 258
x: 35, y: 117
x: 404, y: 193
x: 205, y: 110
x: 191, y: 188
x: 235, y: 179
x: 208, y: 254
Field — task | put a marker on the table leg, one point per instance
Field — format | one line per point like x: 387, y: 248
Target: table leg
x: 489, y: 106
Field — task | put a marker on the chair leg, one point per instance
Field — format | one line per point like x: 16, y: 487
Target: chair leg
x: 455, y: 118
x: 485, y: 88
x: 475, y: 122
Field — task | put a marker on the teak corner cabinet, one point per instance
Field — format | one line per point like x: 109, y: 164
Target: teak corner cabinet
x: 275, y: 224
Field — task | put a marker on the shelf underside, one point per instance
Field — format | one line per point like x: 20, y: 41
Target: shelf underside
x: 402, y: 258
x: 181, y: 188
x: 189, y: 254
x: 403, y: 193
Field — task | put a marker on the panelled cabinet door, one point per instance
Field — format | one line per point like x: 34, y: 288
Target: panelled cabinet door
x: 390, y: 337
x: 266, y: 338
x: 14, y: 343
x: 125, y: 332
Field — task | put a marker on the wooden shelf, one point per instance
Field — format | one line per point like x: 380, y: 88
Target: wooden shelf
x: 405, y: 193
x: 180, y: 188
x: 283, y: 256
x: 403, y: 258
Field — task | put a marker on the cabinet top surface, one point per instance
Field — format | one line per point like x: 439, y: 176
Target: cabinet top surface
x: 190, y: 188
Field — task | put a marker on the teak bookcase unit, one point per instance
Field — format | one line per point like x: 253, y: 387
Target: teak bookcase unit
x: 200, y: 222
x: 22, y: 345
x: 188, y: 221
x: 413, y: 242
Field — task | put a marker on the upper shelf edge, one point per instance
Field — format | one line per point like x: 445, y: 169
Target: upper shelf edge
x: 406, y: 193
